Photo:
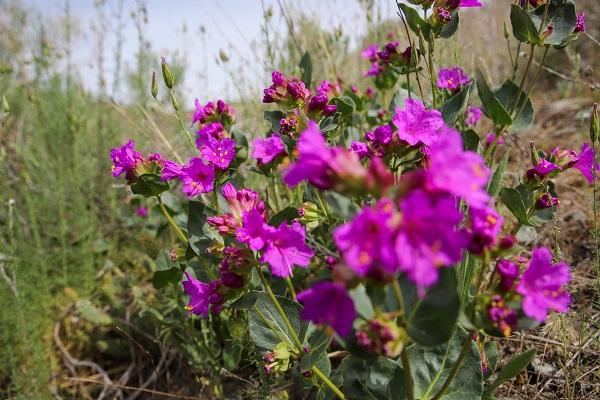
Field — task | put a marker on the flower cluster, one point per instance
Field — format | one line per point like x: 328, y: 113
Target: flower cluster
x: 126, y: 160
x: 560, y: 160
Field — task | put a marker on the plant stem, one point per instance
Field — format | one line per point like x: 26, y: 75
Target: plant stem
x: 187, y: 133
x: 456, y: 366
x: 535, y: 78
x: 522, y: 85
x: 295, y: 338
x: 290, y: 286
x: 430, y: 50
x: 277, y: 305
x: 171, y: 221
x: 408, y: 381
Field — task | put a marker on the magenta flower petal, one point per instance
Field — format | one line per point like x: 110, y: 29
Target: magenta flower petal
x: 417, y: 125
x: 328, y: 303
x: 452, y: 78
x: 454, y: 170
x: 125, y: 158
x: 171, y: 170
x: 542, y: 286
x: 428, y: 237
x: 267, y: 149
x: 199, y: 294
x: 255, y: 232
x: 286, y: 248
x: 220, y: 153
x: 197, y: 178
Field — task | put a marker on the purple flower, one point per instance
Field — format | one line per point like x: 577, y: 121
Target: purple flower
x: 543, y: 168
x: 202, y: 112
x: 443, y: 14
x: 171, y: 170
x: 415, y: 124
x: 242, y: 201
x: 486, y: 224
x: 254, y: 231
x: 374, y: 70
x: 210, y: 130
x: 546, y: 200
x: 580, y: 27
x: 452, y: 78
x: 370, y: 52
x: 197, y: 177
x: 125, y: 158
x: 285, y: 248
x: 361, y: 149
x: 585, y: 162
x: 367, y: 242
x: 142, y: 211
x: 491, y: 137
x: 211, y: 113
x: 328, y: 303
x: 472, y: 116
x: 199, y: 293
x: 428, y: 238
x: 382, y: 135
x: 313, y: 160
x: 508, y: 272
x: 469, y: 3
x: 220, y: 153
x: 542, y: 286
x: 456, y: 171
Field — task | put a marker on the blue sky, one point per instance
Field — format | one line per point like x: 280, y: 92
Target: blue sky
x: 228, y: 24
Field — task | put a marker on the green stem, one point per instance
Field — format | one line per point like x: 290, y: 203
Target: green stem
x: 522, y: 85
x: 408, y: 380
x: 292, y: 331
x: 456, y: 366
x: 328, y: 382
x: 187, y: 133
x: 171, y: 221
x: 277, y: 305
x: 535, y: 78
x: 322, y: 203
x: 290, y: 286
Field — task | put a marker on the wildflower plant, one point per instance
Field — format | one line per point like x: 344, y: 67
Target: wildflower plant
x: 388, y: 236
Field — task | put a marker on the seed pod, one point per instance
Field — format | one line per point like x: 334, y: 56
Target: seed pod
x: 167, y: 74
x: 535, y: 157
x: 154, y: 86
x: 594, y: 124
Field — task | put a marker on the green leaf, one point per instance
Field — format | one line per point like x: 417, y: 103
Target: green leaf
x: 330, y: 123
x: 414, y: 20
x: 470, y: 140
x: 345, y: 105
x: 432, y: 365
x: 523, y: 28
x: 561, y: 16
x: 431, y: 319
x: 513, y: 200
x: 379, y: 378
x: 91, y: 313
x: 507, y: 95
x: 494, y: 186
x: 455, y: 106
x: 241, y: 146
x: 307, y: 69
x: 149, y: 185
x: 398, y: 100
x: 362, y: 302
x: 267, y: 332
x: 167, y: 271
x: 200, y: 235
x: 341, y: 205
x: 491, y: 355
x: 491, y: 105
x: 274, y: 117
x: 287, y: 214
x: 450, y: 27
x: 317, y: 345
x: 511, y: 369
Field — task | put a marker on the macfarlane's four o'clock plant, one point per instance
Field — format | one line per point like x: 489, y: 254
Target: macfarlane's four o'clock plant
x: 377, y: 264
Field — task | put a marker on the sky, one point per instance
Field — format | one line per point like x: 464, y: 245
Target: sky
x: 229, y: 25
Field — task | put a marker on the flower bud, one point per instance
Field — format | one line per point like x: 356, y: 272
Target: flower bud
x: 535, y: 157
x: 154, y: 86
x: 309, y: 215
x: 5, y: 105
x: 594, y: 124
x: 167, y: 74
